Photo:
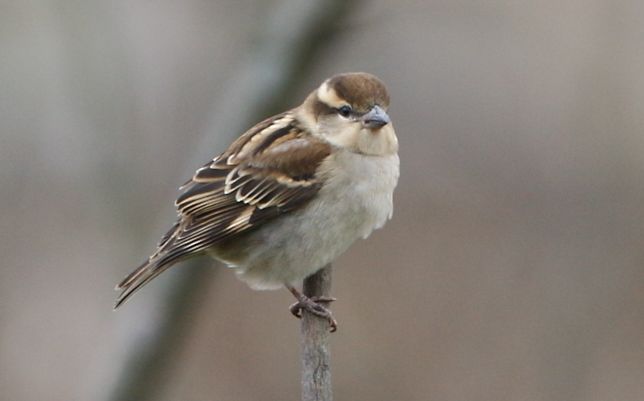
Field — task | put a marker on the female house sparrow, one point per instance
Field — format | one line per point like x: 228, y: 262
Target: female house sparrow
x: 290, y: 194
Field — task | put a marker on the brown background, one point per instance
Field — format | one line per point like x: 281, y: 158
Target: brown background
x: 512, y: 269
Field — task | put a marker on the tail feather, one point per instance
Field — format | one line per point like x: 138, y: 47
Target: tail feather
x: 140, y: 277
x: 144, y: 274
x: 133, y: 276
x: 148, y: 270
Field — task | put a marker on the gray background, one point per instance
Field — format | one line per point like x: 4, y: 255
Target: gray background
x: 512, y: 269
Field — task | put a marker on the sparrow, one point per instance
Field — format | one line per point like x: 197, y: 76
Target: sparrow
x: 289, y: 195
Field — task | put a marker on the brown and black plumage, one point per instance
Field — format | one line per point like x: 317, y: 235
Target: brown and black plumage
x: 290, y: 194
x: 240, y: 189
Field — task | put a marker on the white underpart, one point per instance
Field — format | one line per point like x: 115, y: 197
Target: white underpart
x: 355, y: 200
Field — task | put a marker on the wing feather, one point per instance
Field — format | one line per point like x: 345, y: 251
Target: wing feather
x: 270, y: 170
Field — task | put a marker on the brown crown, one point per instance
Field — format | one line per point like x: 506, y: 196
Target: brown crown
x: 360, y: 89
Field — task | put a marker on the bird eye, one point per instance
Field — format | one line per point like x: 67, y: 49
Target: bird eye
x: 345, y: 111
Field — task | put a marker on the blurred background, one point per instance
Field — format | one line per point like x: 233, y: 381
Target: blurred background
x: 513, y: 266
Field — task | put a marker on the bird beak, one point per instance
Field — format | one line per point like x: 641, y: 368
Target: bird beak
x: 375, y: 118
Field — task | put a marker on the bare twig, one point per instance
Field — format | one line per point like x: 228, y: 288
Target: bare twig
x: 316, y: 356
x: 285, y: 51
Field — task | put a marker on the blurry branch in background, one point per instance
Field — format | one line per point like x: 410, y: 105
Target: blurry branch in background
x: 284, y: 53
x: 316, y: 356
x: 287, y: 47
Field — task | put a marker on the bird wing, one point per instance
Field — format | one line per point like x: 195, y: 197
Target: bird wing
x: 270, y: 170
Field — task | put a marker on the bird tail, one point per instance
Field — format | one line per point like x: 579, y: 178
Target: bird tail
x: 155, y: 265
x: 138, y: 278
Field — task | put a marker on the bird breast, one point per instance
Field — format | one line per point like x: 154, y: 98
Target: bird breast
x: 355, y: 199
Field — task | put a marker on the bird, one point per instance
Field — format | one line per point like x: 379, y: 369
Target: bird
x: 289, y: 195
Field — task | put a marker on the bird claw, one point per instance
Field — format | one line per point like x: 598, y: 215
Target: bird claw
x: 313, y: 306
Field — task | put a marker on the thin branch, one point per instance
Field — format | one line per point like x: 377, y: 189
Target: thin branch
x: 316, y: 356
x: 285, y: 52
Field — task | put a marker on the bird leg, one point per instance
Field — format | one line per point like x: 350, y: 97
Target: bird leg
x: 312, y: 305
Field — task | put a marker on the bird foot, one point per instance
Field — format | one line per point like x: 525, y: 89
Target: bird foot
x: 313, y: 306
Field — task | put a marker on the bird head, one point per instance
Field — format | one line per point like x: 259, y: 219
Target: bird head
x: 350, y: 111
